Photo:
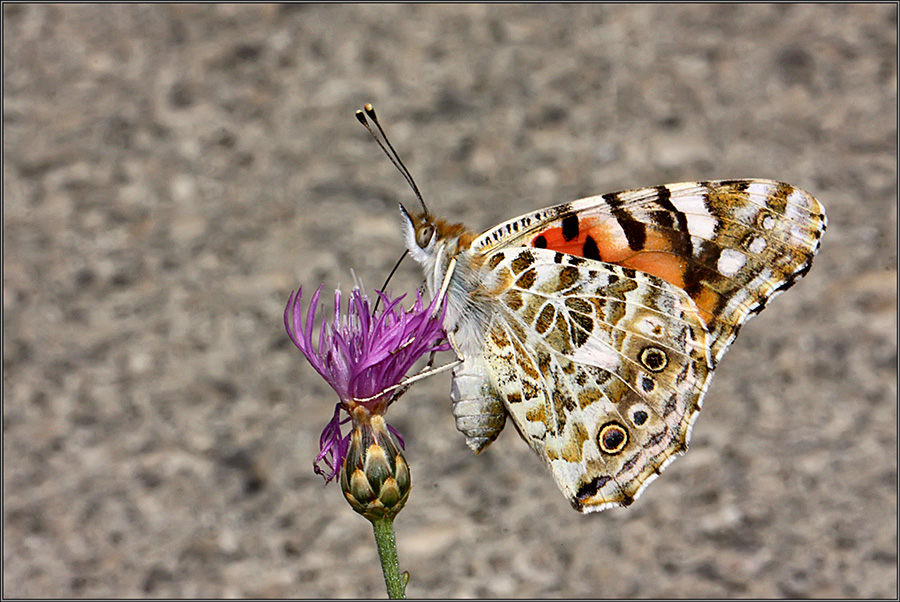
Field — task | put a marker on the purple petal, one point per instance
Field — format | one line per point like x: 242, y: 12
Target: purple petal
x: 332, y: 446
x: 396, y: 434
x: 361, y: 354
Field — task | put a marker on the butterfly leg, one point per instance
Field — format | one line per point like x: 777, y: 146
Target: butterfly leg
x: 424, y: 373
x: 445, y: 284
x: 428, y: 370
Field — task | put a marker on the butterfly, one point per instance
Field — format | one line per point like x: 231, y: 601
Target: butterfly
x: 596, y: 325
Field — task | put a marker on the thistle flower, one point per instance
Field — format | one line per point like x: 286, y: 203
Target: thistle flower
x: 361, y: 355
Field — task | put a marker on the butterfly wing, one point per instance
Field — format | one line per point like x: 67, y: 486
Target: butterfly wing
x: 609, y: 314
x: 731, y: 244
x: 601, y: 367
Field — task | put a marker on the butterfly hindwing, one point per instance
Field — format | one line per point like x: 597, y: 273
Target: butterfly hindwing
x: 730, y: 244
x: 601, y: 367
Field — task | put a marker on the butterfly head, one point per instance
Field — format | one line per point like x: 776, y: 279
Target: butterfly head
x: 433, y: 243
x: 420, y: 234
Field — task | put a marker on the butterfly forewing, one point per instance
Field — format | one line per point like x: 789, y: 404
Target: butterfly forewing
x: 731, y: 244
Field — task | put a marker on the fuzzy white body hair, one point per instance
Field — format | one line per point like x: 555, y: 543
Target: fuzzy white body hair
x: 468, y: 313
x: 479, y: 412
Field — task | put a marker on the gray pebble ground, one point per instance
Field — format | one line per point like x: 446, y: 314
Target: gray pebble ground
x: 172, y: 172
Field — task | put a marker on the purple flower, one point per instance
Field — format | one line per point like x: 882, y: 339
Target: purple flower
x: 360, y: 355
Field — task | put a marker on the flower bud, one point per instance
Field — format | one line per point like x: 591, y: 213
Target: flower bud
x: 375, y: 477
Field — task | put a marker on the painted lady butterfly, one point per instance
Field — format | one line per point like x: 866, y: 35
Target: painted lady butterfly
x: 597, y: 324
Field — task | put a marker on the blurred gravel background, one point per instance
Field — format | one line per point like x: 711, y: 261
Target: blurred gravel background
x: 172, y: 172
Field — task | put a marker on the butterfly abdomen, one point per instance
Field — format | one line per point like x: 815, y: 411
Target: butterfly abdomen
x: 479, y: 413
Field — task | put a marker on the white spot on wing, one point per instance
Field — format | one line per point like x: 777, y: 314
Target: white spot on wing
x: 690, y: 204
x: 796, y: 208
x: 700, y: 222
x: 759, y: 189
x: 757, y: 245
x: 730, y: 261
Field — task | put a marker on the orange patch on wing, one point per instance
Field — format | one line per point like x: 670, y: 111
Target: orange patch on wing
x: 606, y: 241
x: 671, y: 268
x: 656, y: 257
x: 706, y: 303
x: 599, y: 232
x: 661, y: 264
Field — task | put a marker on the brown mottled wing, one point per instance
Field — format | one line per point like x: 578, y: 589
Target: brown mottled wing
x: 731, y: 245
x: 601, y: 367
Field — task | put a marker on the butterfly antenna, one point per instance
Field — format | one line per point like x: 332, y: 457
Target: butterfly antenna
x: 388, y: 279
x: 392, y: 155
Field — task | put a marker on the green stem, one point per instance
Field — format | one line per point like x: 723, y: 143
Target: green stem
x: 387, y: 552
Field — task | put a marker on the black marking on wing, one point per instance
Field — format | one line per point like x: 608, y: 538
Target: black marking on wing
x: 708, y: 255
x: 635, y: 231
x: 590, y: 249
x: 570, y: 227
x: 683, y: 245
x: 591, y: 488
